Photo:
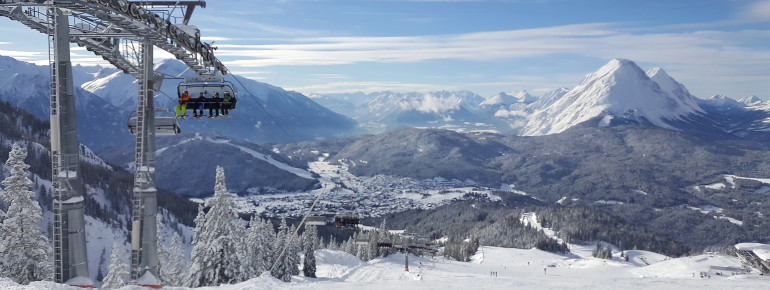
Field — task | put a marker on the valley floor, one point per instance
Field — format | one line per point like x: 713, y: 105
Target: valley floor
x: 503, y: 268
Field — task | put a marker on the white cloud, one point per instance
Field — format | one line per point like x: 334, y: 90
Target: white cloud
x: 593, y: 40
x: 432, y: 104
x: 758, y: 11
x: 29, y: 56
x: 481, y: 46
x: 502, y: 113
x: 700, y: 58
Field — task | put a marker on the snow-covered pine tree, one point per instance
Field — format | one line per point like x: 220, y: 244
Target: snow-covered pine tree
x: 266, y: 240
x: 292, y: 253
x: 118, y: 271
x: 162, y: 252
x: 253, y: 264
x: 361, y: 252
x: 384, y: 237
x: 373, y: 248
x: 332, y: 245
x: 194, y: 275
x: 220, y: 245
x: 281, y: 268
x: 27, y: 252
x: 309, y: 240
x: 3, y: 231
x: 259, y: 243
x: 172, y: 272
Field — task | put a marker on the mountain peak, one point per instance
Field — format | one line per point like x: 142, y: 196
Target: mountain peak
x: 722, y: 102
x: 615, y: 71
x: 751, y: 100
x: 618, y: 89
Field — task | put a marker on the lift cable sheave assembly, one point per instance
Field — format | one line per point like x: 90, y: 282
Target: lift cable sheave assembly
x: 123, y: 33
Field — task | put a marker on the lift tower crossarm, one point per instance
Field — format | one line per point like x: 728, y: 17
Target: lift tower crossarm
x: 134, y: 19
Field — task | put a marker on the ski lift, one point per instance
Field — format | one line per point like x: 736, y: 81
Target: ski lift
x: 347, y: 220
x: 164, y: 126
x: 208, y: 85
x: 315, y: 221
x: 385, y: 244
x: 362, y: 238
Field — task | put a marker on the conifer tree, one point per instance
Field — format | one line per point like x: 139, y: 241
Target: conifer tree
x: 219, y: 247
x: 309, y: 239
x: 117, y: 272
x: 162, y: 251
x: 172, y: 271
x: 26, y: 251
x: 195, y: 275
x: 292, y: 252
x: 259, y: 246
x: 332, y: 245
x: 282, y: 263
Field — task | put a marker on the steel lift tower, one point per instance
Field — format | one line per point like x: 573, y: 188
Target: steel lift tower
x: 124, y: 33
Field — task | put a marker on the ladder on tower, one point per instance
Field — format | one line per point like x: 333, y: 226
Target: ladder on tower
x: 139, y: 178
x: 58, y: 228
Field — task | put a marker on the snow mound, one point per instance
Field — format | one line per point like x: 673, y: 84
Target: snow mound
x: 644, y: 258
x: 329, y: 257
x: 619, y: 88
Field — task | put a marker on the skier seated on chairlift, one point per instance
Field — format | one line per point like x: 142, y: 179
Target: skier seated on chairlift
x: 182, y: 106
x: 226, y: 102
x: 199, y: 106
x: 215, y: 106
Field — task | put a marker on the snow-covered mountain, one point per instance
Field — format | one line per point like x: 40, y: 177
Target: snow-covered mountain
x: 751, y: 101
x: 186, y: 164
x: 381, y: 111
x: 677, y: 90
x: 100, y: 124
x: 509, y: 99
x: 618, y: 90
x: 264, y: 113
x: 721, y: 102
x: 106, y: 98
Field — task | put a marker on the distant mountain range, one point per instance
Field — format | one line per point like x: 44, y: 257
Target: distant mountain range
x: 106, y: 99
x: 618, y: 93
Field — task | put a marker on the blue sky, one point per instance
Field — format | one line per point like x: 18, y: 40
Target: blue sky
x: 318, y: 46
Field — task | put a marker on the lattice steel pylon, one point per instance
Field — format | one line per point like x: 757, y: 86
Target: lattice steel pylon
x: 124, y: 34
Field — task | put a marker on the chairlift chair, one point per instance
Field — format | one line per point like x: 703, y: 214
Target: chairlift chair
x: 164, y: 126
x: 362, y: 239
x: 315, y: 221
x: 347, y: 220
x: 208, y: 85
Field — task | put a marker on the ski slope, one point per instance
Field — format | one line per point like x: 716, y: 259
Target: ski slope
x: 514, y: 268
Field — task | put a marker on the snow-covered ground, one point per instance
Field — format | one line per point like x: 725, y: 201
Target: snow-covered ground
x: 502, y: 268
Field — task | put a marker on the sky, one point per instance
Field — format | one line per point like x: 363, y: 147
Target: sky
x: 484, y: 46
